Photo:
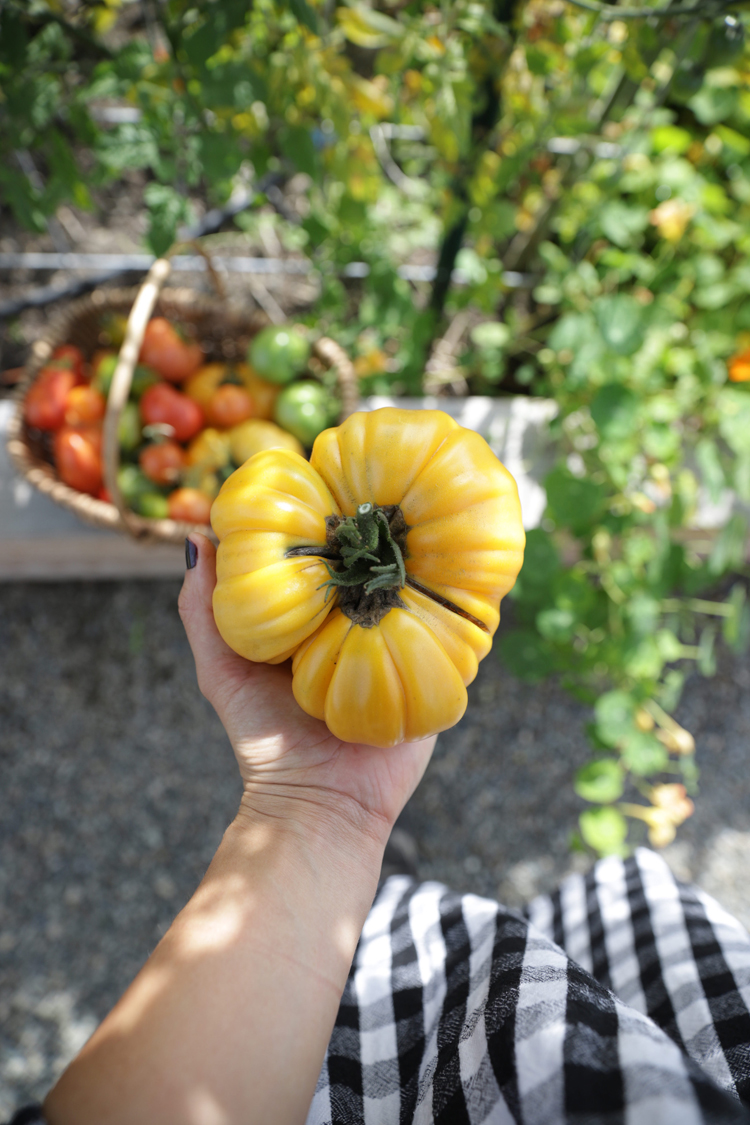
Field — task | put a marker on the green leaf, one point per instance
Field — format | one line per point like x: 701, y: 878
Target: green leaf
x: 556, y: 624
x: 573, y: 502
x: 620, y: 222
x: 715, y: 296
x: 671, y: 138
x: 706, y: 659
x: 621, y: 322
x: 600, y: 781
x: 662, y: 441
x: 668, y: 645
x: 670, y: 691
x: 707, y: 456
x: 167, y: 210
x: 541, y: 563
x: 728, y: 552
x: 643, y: 754
x: 644, y: 660
x: 220, y: 156
x: 615, y: 411
x: 572, y: 331
x: 526, y: 655
x: 297, y: 145
x: 306, y: 15
x: 713, y: 103
x: 614, y: 712
x: 605, y: 830
x: 491, y: 334
x: 734, y: 628
x: 734, y: 418
x: 643, y: 613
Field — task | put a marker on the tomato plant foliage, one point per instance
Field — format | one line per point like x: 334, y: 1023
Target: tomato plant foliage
x: 581, y: 180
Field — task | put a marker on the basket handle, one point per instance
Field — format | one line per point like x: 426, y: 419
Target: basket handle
x: 140, y: 314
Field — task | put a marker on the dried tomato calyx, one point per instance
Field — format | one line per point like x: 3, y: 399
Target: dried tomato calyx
x: 364, y: 557
x: 368, y: 551
x: 371, y: 548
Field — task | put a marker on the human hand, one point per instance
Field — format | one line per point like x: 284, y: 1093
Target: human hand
x: 291, y: 765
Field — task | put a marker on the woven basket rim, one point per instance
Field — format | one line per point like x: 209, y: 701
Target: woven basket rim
x: 101, y: 513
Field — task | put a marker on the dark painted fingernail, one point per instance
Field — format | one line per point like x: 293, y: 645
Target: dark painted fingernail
x: 191, y: 554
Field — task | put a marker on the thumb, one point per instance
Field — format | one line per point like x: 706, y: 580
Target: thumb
x: 215, y: 662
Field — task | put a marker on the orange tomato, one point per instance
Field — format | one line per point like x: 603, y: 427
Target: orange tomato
x: 163, y: 463
x: 263, y: 393
x: 78, y: 457
x: 84, y: 406
x: 229, y: 405
x: 162, y: 404
x: 44, y: 407
x: 201, y: 386
x: 68, y: 355
x: 190, y: 505
x: 739, y: 367
x: 165, y: 350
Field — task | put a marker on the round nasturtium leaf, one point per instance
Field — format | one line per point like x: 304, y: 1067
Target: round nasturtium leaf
x: 604, y: 829
x: 600, y: 781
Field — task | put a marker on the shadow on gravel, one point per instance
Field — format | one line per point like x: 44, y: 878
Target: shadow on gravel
x: 118, y: 781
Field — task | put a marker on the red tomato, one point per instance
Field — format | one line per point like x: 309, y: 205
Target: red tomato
x: 78, y: 457
x: 84, y: 406
x: 190, y: 505
x: 164, y: 349
x: 68, y: 355
x: 163, y: 405
x: 47, y: 396
x: 229, y: 405
x: 103, y: 494
x: 163, y: 463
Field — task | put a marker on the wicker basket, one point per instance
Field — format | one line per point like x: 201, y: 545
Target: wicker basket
x: 224, y: 331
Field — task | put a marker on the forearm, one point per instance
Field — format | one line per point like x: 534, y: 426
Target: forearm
x: 229, y: 1019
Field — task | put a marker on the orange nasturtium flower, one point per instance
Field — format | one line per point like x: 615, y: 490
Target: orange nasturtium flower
x: 739, y: 367
x: 671, y: 218
x: 670, y: 806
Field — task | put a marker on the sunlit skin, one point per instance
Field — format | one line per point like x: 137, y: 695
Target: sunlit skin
x: 229, y: 1019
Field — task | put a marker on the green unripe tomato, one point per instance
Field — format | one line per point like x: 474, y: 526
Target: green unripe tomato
x: 105, y: 370
x: 152, y: 505
x: 305, y: 409
x: 129, y: 432
x: 277, y: 354
x: 132, y: 483
x: 143, y: 378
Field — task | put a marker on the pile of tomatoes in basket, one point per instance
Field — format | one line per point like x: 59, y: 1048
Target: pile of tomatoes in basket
x: 187, y: 423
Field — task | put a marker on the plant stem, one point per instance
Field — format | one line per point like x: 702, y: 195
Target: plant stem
x: 698, y: 605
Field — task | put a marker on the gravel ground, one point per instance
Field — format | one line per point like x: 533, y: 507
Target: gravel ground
x: 117, y: 782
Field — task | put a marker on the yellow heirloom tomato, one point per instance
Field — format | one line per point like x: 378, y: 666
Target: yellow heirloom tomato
x: 378, y: 566
x: 249, y: 438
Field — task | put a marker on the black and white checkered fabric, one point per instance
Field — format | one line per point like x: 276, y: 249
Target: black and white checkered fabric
x: 624, y: 999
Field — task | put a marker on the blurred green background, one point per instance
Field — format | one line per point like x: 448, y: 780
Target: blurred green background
x: 547, y: 198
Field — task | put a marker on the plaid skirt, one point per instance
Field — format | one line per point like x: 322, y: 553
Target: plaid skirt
x: 622, y: 998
